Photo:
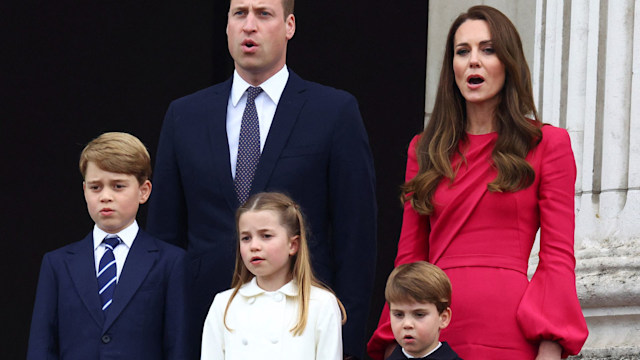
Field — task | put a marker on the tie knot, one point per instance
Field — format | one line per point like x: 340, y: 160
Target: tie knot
x: 252, y: 92
x: 111, y: 241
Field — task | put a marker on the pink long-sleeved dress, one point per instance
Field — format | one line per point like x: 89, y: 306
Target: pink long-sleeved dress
x: 482, y: 240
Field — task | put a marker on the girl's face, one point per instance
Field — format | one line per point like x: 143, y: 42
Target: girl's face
x: 266, y: 248
x: 478, y: 70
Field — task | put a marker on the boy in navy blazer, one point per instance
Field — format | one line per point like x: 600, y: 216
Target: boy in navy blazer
x: 419, y: 296
x: 121, y: 298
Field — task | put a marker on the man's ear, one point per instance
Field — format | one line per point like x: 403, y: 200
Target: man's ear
x: 290, y: 24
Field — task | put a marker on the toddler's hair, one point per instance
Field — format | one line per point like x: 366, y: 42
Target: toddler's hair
x: 421, y: 282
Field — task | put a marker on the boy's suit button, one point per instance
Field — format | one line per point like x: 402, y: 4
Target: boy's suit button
x: 106, y: 339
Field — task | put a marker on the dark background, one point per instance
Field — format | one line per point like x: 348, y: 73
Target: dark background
x: 73, y: 70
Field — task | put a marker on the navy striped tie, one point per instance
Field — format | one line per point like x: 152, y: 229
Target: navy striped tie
x: 107, y: 271
x: 248, y: 146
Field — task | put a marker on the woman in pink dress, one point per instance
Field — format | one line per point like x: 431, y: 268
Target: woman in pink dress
x: 481, y: 179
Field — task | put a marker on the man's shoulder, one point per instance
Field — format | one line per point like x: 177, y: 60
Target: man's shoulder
x: 205, y: 94
x: 316, y: 89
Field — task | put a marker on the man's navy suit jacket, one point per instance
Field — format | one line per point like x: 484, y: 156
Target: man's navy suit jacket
x: 317, y: 152
x: 145, y: 321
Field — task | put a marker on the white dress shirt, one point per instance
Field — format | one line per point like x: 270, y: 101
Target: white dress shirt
x: 261, y: 322
x: 423, y: 356
x: 266, y: 104
x: 127, y: 235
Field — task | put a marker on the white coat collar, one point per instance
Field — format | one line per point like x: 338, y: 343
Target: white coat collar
x: 251, y: 289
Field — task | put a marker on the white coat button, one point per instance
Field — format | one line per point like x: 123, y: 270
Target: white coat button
x: 251, y: 300
x: 278, y: 297
x: 274, y: 340
x: 244, y: 342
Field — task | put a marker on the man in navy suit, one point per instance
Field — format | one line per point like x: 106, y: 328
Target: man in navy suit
x: 313, y: 147
x: 112, y: 300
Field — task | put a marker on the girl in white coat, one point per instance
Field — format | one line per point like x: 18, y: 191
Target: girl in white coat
x: 276, y: 308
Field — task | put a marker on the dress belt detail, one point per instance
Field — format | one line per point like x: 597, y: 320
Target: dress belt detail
x: 483, y: 260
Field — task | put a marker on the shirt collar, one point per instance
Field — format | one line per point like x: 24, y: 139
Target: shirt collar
x: 423, y: 356
x: 273, y: 87
x: 251, y: 289
x: 127, y: 235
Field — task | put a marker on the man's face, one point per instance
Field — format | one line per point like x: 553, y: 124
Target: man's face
x: 257, y: 36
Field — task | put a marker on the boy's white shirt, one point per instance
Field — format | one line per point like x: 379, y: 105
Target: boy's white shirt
x: 425, y: 355
x: 127, y: 235
x: 261, y: 322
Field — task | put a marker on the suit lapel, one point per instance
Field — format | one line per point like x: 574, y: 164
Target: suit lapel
x: 142, y: 255
x: 82, y: 270
x: 216, y: 113
x: 284, y: 119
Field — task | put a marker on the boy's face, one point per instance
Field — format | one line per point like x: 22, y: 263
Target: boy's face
x: 113, y: 199
x: 416, y: 326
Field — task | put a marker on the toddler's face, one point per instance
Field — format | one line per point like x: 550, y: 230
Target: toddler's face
x: 416, y: 326
x: 266, y: 248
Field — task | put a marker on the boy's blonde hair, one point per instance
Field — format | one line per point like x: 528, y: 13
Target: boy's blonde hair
x: 291, y: 218
x: 118, y: 152
x: 421, y: 282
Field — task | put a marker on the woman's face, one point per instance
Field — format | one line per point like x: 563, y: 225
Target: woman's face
x: 478, y: 71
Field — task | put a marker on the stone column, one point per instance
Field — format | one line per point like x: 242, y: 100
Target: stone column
x: 585, y: 60
x: 585, y: 57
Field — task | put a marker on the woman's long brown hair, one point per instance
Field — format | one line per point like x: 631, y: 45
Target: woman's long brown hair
x: 517, y: 121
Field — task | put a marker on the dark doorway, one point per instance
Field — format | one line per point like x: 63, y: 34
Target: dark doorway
x: 73, y: 71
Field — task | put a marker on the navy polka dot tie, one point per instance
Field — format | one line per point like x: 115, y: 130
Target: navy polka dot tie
x: 248, y: 146
x: 107, y: 271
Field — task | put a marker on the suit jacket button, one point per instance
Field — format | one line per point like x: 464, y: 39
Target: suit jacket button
x: 106, y: 339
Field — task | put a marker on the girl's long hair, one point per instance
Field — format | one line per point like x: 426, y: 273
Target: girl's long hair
x: 517, y: 121
x: 291, y: 218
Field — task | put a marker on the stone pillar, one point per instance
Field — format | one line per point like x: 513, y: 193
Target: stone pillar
x: 585, y: 60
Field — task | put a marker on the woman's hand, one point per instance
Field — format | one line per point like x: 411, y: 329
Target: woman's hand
x: 549, y: 350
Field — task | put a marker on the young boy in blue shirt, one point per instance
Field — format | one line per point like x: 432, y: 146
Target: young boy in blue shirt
x: 118, y: 293
x: 419, y: 296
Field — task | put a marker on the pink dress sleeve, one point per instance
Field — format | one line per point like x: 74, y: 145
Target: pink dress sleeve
x: 549, y: 309
x: 412, y: 246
